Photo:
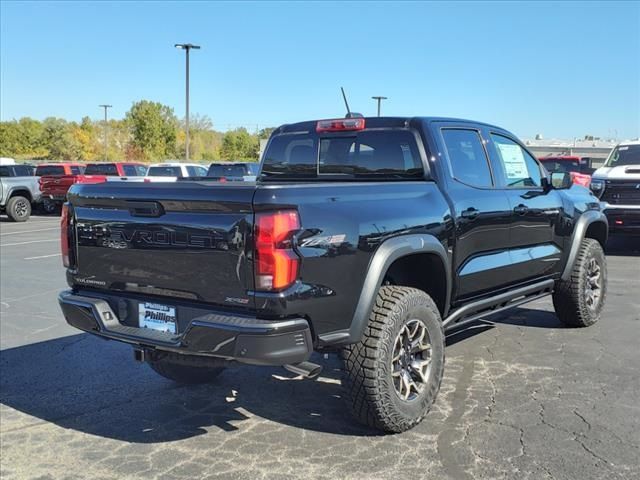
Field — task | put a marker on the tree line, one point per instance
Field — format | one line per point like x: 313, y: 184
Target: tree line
x: 150, y: 131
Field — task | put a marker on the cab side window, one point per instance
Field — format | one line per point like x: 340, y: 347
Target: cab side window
x: 518, y: 168
x: 467, y: 157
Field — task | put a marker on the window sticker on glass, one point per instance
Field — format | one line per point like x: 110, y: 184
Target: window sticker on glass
x: 514, y: 163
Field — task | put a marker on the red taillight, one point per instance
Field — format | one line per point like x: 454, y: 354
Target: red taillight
x: 276, y: 262
x: 340, y: 125
x: 64, y: 235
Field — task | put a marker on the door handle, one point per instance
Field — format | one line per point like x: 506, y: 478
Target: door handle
x: 470, y: 213
x: 521, y: 209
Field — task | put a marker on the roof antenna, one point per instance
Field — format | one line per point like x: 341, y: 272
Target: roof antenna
x: 346, y: 104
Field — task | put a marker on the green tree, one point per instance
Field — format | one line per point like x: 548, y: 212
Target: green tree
x: 10, y: 139
x: 265, y: 133
x: 153, y: 129
x: 31, y: 133
x: 59, y: 140
x: 239, y: 145
x: 22, y: 139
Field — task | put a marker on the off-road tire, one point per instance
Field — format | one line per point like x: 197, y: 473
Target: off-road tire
x: 180, y: 372
x: 569, y: 297
x: 50, y: 207
x: 370, y: 391
x: 18, y: 209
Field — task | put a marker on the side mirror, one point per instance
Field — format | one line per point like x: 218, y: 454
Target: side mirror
x: 561, y: 180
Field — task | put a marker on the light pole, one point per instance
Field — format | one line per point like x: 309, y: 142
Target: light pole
x: 379, y: 99
x: 186, y: 47
x: 106, y: 126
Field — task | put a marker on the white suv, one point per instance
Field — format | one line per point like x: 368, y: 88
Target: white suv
x: 171, y: 171
x: 617, y: 184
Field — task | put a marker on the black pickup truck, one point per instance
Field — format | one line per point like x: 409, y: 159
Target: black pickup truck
x: 370, y: 236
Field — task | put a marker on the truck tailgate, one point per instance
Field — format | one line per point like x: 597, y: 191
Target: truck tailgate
x: 185, y: 240
x: 56, y: 185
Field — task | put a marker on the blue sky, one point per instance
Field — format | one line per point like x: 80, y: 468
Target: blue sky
x: 560, y: 69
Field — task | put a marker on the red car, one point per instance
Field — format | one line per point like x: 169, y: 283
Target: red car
x: 99, y: 172
x: 575, y: 166
x: 55, y: 180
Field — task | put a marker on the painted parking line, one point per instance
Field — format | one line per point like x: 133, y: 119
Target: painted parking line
x: 25, y: 243
x: 43, y: 256
x: 34, y: 220
x: 29, y: 231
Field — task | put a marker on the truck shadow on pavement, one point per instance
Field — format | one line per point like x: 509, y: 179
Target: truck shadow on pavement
x: 87, y: 384
x: 90, y: 385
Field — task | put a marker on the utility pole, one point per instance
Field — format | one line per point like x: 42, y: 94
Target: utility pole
x: 187, y: 47
x: 379, y: 99
x: 106, y: 127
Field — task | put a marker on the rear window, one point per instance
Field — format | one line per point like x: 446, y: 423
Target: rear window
x: 49, y: 170
x: 164, y: 172
x: 134, y: 170
x: 108, y: 169
x: 77, y: 169
x: 227, y: 171
x: 196, y: 171
x: 22, y: 171
x: 565, y: 166
x: 374, y: 154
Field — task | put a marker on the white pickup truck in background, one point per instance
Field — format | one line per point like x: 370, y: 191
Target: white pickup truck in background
x: 617, y: 184
x: 171, y: 171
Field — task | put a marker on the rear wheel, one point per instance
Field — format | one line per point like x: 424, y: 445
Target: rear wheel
x: 19, y: 209
x: 49, y: 206
x: 579, y: 300
x: 392, y: 376
x: 176, y: 369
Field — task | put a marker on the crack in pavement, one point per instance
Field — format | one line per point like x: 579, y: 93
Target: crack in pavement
x: 445, y: 439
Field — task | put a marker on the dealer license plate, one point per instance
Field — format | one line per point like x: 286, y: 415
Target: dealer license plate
x: 157, y: 317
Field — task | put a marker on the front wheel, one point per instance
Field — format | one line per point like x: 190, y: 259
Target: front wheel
x: 19, y: 209
x: 392, y: 376
x: 579, y: 300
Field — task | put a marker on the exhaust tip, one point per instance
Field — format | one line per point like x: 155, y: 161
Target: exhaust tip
x: 306, y: 369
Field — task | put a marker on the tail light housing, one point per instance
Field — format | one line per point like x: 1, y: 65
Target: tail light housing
x: 64, y: 235
x: 276, y: 263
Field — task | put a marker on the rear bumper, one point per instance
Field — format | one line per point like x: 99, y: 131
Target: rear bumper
x: 623, y: 218
x: 243, y: 339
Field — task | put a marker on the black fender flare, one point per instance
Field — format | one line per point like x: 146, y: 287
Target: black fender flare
x: 388, y: 252
x: 582, y: 224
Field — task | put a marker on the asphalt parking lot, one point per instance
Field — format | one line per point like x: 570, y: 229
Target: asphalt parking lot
x: 522, y: 397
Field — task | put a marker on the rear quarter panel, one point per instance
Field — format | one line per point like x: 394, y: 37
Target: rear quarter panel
x: 342, y: 226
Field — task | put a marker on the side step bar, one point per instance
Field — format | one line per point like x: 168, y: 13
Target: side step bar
x: 481, y: 308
